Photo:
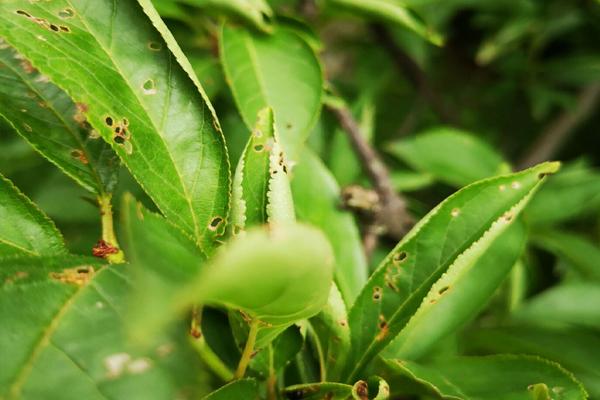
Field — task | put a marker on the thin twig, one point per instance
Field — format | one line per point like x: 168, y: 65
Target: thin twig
x: 393, y: 214
x: 409, y: 68
x: 560, y: 129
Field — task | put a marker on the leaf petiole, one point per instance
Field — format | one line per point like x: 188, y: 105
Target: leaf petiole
x: 248, y: 350
x: 109, y: 239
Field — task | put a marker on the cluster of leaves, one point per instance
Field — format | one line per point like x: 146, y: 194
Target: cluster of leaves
x: 241, y: 276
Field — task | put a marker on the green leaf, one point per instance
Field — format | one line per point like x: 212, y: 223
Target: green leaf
x: 141, y: 96
x: 283, y: 274
x: 576, y: 349
x: 317, y: 200
x: 24, y: 229
x: 574, y: 304
x: 163, y: 260
x: 581, y: 253
x: 240, y: 389
x: 279, y: 353
x: 460, y: 228
x: 62, y: 337
x: 57, y: 128
x: 333, y: 333
x: 458, y: 295
x: 573, y: 193
x: 319, y: 391
x: 408, y: 181
x: 261, y: 187
x: 393, y: 11
x: 256, y: 12
x: 252, y: 64
x: 450, y: 155
x: 496, y: 377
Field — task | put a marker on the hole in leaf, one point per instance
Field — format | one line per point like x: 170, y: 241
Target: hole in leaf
x: 23, y: 13
x: 443, y: 290
x: 377, y: 293
x: 79, y: 155
x: 149, y: 87
x: 54, y: 28
x: 399, y: 257
x: 154, y: 46
x: 258, y: 148
x: 65, y: 29
x: 214, y: 223
x: 109, y: 121
x: 125, y: 122
x: 119, y: 139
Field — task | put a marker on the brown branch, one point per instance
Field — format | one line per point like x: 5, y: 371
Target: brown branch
x: 409, y: 68
x: 392, y: 214
x: 560, y: 129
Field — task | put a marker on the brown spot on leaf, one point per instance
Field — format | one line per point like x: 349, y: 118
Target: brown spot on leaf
x: 74, y: 276
x: 80, y: 155
x: 66, y: 13
x: 377, y: 293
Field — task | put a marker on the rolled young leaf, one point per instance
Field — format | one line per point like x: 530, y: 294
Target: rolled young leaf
x: 252, y: 64
x: 24, y: 229
x: 463, y: 225
x: 139, y: 93
x: 261, y: 187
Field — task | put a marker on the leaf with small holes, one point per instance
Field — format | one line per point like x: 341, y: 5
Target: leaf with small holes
x: 261, y: 187
x: 62, y: 337
x: 24, y: 229
x: 472, y: 218
x: 458, y: 295
x: 450, y: 155
x: 393, y: 11
x: 252, y: 64
x: 56, y: 127
x: 317, y: 200
x: 494, y: 377
x: 141, y: 96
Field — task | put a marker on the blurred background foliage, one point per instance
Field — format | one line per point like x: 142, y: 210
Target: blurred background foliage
x: 448, y: 92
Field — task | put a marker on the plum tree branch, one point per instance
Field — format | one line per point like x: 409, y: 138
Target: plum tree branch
x: 560, y: 129
x: 393, y: 213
